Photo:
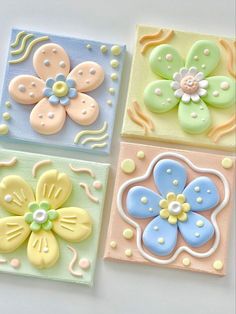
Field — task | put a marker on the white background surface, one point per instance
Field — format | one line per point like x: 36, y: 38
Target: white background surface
x: 119, y: 288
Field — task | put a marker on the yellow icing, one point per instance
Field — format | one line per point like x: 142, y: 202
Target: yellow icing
x: 114, y: 63
x: 140, y: 154
x: 128, y: 166
x: 128, y: 234
x: 128, y: 252
x: 186, y: 261
x: 227, y: 163
x: 116, y: 50
x: 60, y: 89
x: 3, y: 129
x: 218, y: 265
x: 6, y: 116
x: 113, y: 244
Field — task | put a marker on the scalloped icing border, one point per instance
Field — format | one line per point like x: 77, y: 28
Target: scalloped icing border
x: 214, y: 214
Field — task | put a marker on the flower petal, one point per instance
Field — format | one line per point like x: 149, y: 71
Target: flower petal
x: 196, y: 230
x: 169, y: 176
x: 13, y: 232
x: 15, y: 195
x: 49, y: 60
x: 50, y: 82
x: 203, y: 84
x: 202, y: 92
x: 194, y: 117
x: 64, y: 101
x: 160, y: 236
x: 54, y: 100
x: 70, y: 83
x: 83, y: 109
x: 204, y: 55
x: 201, y: 194
x: 199, y: 76
x: 60, y: 77
x: 192, y: 71
x: 87, y: 75
x: 195, y: 98
x: 183, y: 72
x: 175, y: 85
x: 179, y: 93
x: 42, y: 249
x: 72, y: 93
x: 54, y: 187
x: 142, y: 202
x: 46, y: 118
x: 73, y: 224
x: 186, y: 98
x: 159, y: 96
x: 26, y: 89
x: 221, y: 92
x: 165, y: 61
x: 47, y: 92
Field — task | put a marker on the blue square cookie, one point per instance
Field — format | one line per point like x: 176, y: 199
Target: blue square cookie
x: 61, y: 91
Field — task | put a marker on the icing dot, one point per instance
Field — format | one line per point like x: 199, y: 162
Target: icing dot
x: 175, y: 182
x: 224, y: 85
x: 203, y: 66
x: 43, y: 124
x: 21, y: 88
x: 62, y: 64
x: 158, y: 92
x: 144, y: 200
x: 84, y: 111
x: 103, y: 48
x: 199, y: 200
x: 15, y: 263
x: 113, y: 244
x: 33, y: 84
x: 40, y: 116
x: 109, y: 102
x: 215, y: 93
x: 218, y: 265
x: 88, y: 46
x: 6, y: 116
x: 150, y: 209
x: 92, y: 71
x: 227, y: 163
x: 128, y: 234
x: 206, y: 52
x: 51, y: 115
x: 168, y: 67
x: 46, y: 62
x: 168, y: 100
x: 8, y: 198
x: 208, y: 191
x: 128, y: 166
x: 31, y: 95
x: 54, y: 50
x: 201, y: 108
x: 128, y: 252
x: 159, y: 58
x: 194, y: 115
x: 43, y: 51
x: 84, y: 263
x: 168, y: 171
x: 97, y: 185
x: 161, y: 240
x: 200, y: 223
x: 87, y: 81
x: 114, y: 63
x: 114, y: 76
x: 116, y: 50
x: 197, y: 189
x: 8, y: 104
x: 140, y: 154
x: 80, y: 72
x: 111, y: 90
x: 46, y: 250
x: 156, y: 228
x: 3, y: 129
x: 196, y: 58
x: 186, y: 261
x: 197, y: 235
x: 169, y: 57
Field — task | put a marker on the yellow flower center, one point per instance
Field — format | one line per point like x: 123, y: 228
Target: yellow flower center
x: 60, y: 89
x: 174, y: 208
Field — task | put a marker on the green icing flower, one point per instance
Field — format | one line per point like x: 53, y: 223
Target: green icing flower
x: 40, y: 216
x: 188, y: 84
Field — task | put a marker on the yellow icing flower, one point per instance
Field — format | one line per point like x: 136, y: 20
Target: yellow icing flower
x: 39, y: 216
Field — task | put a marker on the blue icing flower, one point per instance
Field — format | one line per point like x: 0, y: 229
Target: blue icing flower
x: 174, y: 209
x: 60, y: 90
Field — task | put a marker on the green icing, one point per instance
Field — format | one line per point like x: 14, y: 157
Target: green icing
x: 159, y: 63
x: 204, y: 55
x: 53, y: 214
x: 194, y: 118
x: 44, y: 205
x: 28, y: 217
x: 220, y: 91
x: 163, y: 102
x: 33, y: 206
x: 34, y: 226
x: 47, y: 225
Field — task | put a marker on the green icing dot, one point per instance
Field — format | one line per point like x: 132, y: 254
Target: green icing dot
x: 114, y: 63
x: 116, y: 50
x: 33, y: 206
x: 28, y: 217
x: 103, y: 48
x: 47, y: 225
x: 44, y: 205
x: 52, y: 214
x: 34, y: 226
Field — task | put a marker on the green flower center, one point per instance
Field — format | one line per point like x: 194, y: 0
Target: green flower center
x: 60, y: 89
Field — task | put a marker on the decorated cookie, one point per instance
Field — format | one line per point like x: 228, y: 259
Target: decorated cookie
x: 50, y: 215
x: 185, y: 91
x: 61, y: 91
x: 173, y: 209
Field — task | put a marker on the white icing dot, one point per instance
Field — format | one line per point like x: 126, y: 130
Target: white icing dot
x: 169, y: 171
x: 62, y: 64
x: 169, y: 57
x: 175, y: 182
x: 203, y: 66
x: 33, y: 84
x: 200, y: 223
x: 199, y: 200
x: 197, y: 189
x: 92, y: 106
x: 215, y: 93
x: 46, y: 62
x: 161, y: 240
x: 92, y: 71
x: 40, y: 116
x: 163, y: 103
x: 43, y: 51
x: 158, y: 92
x: 201, y: 108
x: 83, y: 101
x: 51, y: 115
x: 87, y: 81
x: 80, y: 72
x: 45, y: 250
x: 197, y: 235
x: 206, y: 52
x: 144, y: 200
x: 54, y: 50
x: 208, y: 191
x: 8, y: 198
x: 43, y: 124
x: 194, y: 115
x: 150, y: 209
x: 168, y: 100
x: 169, y: 67
x: 159, y: 58
x: 21, y: 88
x: 224, y: 85
x: 155, y: 228
x: 84, y: 111
x: 31, y: 95
x: 203, y: 119
x: 196, y: 58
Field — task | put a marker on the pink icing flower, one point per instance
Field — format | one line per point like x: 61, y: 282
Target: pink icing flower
x: 58, y: 92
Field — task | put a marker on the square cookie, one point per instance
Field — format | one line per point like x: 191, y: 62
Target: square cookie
x: 50, y: 216
x: 171, y: 208
x: 182, y: 89
x: 61, y: 91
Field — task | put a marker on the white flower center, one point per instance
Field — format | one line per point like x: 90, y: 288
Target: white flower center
x: 40, y: 216
x: 175, y: 208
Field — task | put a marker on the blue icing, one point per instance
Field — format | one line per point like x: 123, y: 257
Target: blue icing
x: 160, y: 228
x: 168, y: 172
x: 60, y: 77
x: 139, y: 209
x: 201, y: 194
x: 194, y: 235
